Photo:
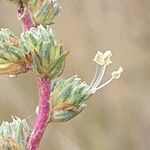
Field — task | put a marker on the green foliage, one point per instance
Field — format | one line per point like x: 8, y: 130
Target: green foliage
x: 69, y: 98
x: 11, y: 57
x: 47, y: 53
x: 14, y: 134
x: 44, y: 11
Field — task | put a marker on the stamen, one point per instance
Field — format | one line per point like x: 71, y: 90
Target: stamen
x: 103, y: 58
x: 95, y: 75
x: 103, y: 85
x: 117, y: 74
x: 106, y: 56
x: 99, y: 58
x: 100, y: 76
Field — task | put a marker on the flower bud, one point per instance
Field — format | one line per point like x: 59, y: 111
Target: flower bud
x: 8, y: 144
x: 43, y: 11
x: 48, y: 57
x: 14, y: 135
x: 12, y: 59
x: 69, y: 98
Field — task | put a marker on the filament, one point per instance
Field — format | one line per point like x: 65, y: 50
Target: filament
x: 106, y: 83
x: 95, y: 75
x: 100, y: 76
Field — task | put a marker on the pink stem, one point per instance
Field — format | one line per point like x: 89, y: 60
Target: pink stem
x: 44, y: 84
x: 25, y: 16
x: 27, y: 22
x: 43, y: 114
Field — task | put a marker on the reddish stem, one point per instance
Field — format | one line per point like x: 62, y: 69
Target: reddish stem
x: 27, y: 22
x: 44, y: 90
x: 43, y: 114
x: 25, y: 16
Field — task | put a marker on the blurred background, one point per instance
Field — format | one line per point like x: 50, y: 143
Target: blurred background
x: 118, y: 116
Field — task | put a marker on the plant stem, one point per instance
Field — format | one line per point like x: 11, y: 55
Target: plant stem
x: 43, y: 114
x: 25, y: 16
x: 44, y: 84
x: 27, y: 22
